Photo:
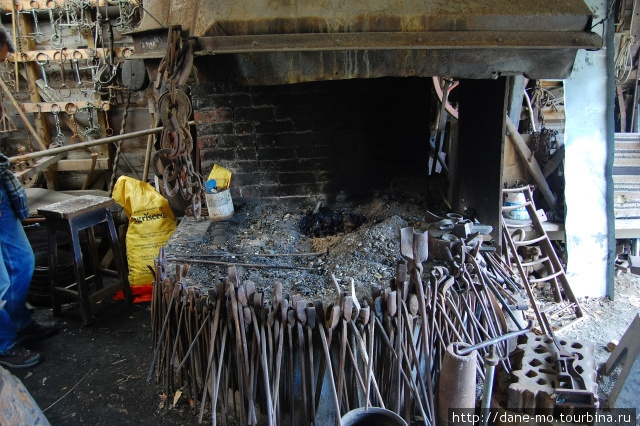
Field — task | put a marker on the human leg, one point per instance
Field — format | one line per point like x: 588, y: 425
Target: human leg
x: 18, y: 264
x: 7, y: 328
x: 12, y: 355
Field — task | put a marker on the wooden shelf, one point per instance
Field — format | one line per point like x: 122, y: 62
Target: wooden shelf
x: 42, y: 4
x: 64, y: 107
x: 67, y: 54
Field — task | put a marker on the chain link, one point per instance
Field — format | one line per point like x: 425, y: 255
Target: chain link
x: 116, y: 158
x: 173, y: 162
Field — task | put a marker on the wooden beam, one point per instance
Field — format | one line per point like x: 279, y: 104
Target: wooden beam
x: 42, y: 4
x: 81, y: 164
x: 34, y: 55
x: 26, y: 121
x: 38, y: 167
x: 554, y: 162
x: 36, y: 107
x: 531, y: 163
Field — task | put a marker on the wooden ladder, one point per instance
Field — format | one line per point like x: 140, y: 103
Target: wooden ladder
x: 556, y: 277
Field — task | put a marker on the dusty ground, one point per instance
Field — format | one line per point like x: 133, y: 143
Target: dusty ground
x: 98, y: 375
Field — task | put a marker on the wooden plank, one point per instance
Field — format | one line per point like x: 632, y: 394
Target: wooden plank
x: 626, y: 180
x: 627, y: 224
x: 42, y: 4
x: 514, y: 168
x: 67, y: 55
x: 625, y: 392
x: 553, y: 116
x: 625, y: 197
x: 628, y: 162
x: 41, y: 165
x: 554, y: 162
x: 628, y: 213
x: 83, y: 164
x: 35, y: 107
x: 532, y: 164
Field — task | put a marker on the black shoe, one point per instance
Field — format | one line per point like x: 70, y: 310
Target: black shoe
x: 19, y: 357
x: 36, y: 331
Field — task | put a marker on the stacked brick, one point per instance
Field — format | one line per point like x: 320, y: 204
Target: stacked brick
x: 319, y: 138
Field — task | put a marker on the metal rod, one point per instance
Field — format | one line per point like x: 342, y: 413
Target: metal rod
x: 246, y: 265
x: 490, y: 361
x: 320, y: 253
x: 87, y: 144
x: 507, y: 336
x: 147, y: 154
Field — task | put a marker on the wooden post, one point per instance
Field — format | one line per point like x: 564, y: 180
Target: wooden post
x: 33, y: 74
x: 531, y: 163
x: 477, y: 183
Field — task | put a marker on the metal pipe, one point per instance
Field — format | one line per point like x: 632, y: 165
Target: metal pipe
x: 466, y: 350
x: 87, y: 144
x: 490, y: 362
x: 147, y: 154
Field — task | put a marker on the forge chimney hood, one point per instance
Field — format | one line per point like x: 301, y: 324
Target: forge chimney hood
x: 287, y: 41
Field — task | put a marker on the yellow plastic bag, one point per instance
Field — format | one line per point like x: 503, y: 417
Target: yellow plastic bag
x: 151, y: 223
x: 222, y: 177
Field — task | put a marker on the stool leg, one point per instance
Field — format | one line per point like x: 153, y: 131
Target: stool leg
x: 53, y: 266
x: 117, y: 255
x: 95, y: 261
x: 83, y: 293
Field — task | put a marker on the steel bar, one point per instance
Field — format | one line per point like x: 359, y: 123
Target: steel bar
x: 164, y: 328
x: 433, y: 40
x: 327, y: 356
x: 395, y: 365
x: 493, y: 341
x: 72, y: 147
x: 320, y: 253
x: 246, y: 265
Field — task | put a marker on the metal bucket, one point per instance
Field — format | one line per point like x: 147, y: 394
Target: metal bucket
x: 220, y: 205
x: 373, y: 416
x: 516, y: 199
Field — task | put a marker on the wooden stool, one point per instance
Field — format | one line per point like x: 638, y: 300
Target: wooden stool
x: 72, y: 216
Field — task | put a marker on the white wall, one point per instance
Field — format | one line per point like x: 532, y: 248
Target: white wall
x: 585, y: 169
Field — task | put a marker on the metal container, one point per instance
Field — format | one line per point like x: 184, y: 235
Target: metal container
x: 373, y: 416
x: 220, y: 205
x: 516, y: 199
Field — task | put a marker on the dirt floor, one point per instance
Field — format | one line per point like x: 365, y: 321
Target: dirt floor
x: 98, y: 374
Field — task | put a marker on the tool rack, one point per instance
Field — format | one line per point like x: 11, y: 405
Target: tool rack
x: 64, y: 77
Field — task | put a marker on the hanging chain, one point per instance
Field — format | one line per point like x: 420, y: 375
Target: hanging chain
x: 173, y: 162
x: 544, y: 141
x: 116, y: 158
x: 535, y: 144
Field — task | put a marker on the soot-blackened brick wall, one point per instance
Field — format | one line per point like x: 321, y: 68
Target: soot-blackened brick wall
x: 349, y: 137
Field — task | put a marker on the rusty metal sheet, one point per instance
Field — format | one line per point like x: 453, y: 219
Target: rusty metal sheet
x: 289, y: 41
x: 387, y: 40
x: 247, y: 17
x: 298, y: 67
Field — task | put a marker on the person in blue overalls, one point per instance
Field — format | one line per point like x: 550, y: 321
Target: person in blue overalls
x: 17, y: 262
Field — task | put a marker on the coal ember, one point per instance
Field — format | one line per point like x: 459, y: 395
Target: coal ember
x: 324, y: 221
